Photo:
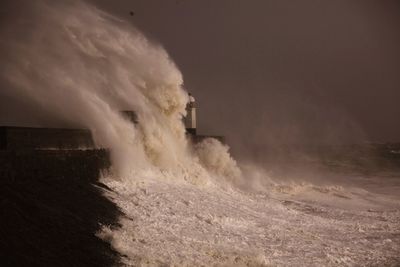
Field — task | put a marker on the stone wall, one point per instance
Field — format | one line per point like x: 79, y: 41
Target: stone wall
x: 13, y: 138
x: 53, y: 164
x: 52, y: 204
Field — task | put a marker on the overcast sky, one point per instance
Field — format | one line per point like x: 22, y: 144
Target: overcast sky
x: 266, y: 71
x: 309, y: 68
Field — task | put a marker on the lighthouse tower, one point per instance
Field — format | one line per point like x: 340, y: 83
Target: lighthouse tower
x: 190, y: 119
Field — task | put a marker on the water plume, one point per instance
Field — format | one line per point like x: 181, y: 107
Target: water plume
x: 215, y: 157
x: 84, y: 66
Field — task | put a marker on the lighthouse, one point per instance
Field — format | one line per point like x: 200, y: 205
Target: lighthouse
x: 190, y: 119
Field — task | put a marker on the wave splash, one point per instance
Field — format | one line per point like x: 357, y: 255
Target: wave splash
x: 85, y: 66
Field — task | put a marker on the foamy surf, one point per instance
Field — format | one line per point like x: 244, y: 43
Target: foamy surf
x: 179, y: 224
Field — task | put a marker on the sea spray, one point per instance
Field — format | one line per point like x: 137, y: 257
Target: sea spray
x: 85, y: 66
x: 215, y: 157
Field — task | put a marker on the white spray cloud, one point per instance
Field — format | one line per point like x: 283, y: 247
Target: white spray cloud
x: 85, y: 66
x: 215, y: 157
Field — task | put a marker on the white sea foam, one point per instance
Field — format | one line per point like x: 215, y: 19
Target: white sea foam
x: 173, y: 224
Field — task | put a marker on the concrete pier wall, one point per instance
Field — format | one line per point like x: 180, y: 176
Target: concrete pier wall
x: 17, y: 138
x: 51, y: 207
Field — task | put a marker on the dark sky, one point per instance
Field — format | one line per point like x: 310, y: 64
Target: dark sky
x: 300, y: 70
x: 282, y: 71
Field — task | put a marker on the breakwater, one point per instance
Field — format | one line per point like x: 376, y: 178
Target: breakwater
x: 52, y: 206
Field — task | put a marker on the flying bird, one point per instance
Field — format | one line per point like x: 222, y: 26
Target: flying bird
x: 132, y: 13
